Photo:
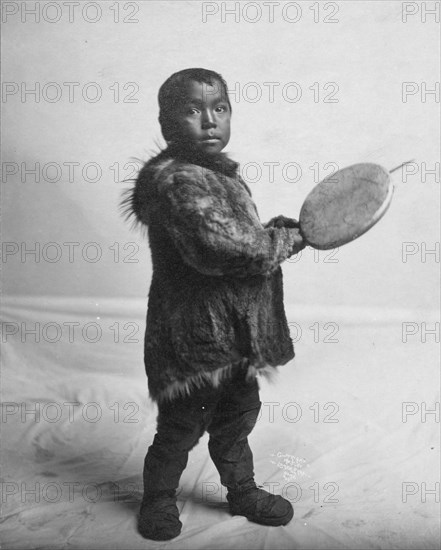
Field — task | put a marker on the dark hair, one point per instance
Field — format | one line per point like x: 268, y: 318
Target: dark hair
x: 171, y: 93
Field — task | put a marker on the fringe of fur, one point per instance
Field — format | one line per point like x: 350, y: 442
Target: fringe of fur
x: 129, y: 202
x: 269, y: 373
x: 215, y: 378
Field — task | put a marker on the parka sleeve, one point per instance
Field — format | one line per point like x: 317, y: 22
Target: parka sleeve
x: 217, y: 239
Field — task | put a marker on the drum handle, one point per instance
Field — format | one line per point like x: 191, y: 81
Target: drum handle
x: 400, y: 166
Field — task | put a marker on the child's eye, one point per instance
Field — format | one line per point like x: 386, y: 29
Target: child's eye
x: 221, y: 108
x: 192, y: 111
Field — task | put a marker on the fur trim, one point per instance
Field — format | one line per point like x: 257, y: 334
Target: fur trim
x: 132, y: 200
x: 215, y: 378
x: 219, y: 162
x: 181, y: 389
x: 268, y: 372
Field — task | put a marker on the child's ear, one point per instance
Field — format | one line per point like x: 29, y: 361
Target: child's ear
x: 166, y: 129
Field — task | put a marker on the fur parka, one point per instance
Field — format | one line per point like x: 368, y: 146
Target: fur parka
x: 216, y: 295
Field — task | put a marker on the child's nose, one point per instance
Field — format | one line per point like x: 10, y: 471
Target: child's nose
x: 208, y: 119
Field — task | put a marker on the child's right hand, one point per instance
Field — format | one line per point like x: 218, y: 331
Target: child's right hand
x: 282, y: 221
x: 299, y: 242
x: 292, y: 224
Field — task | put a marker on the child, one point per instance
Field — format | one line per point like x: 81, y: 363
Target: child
x: 215, y: 314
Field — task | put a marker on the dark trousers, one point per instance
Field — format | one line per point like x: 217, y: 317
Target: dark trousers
x: 228, y: 413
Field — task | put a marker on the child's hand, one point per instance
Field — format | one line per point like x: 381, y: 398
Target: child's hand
x: 282, y: 221
x: 299, y: 242
x: 290, y: 223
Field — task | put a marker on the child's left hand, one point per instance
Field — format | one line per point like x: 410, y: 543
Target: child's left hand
x: 282, y: 221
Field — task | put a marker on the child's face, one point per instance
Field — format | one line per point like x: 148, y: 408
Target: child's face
x: 203, y: 118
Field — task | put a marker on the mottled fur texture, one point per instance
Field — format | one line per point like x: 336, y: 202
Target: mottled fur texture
x: 216, y: 296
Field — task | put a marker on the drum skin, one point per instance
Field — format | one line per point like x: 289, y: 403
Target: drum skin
x: 345, y: 205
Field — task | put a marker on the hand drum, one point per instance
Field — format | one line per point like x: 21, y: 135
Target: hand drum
x: 345, y: 205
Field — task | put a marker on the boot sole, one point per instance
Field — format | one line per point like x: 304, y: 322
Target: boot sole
x: 157, y: 534
x: 272, y: 522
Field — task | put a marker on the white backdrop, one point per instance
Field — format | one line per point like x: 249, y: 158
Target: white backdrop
x: 346, y: 105
x: 314, y: 87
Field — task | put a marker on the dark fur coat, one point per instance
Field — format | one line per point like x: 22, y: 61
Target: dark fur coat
x: 216, y: 295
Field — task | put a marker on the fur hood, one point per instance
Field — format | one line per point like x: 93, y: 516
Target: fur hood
x: 216, y: 295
